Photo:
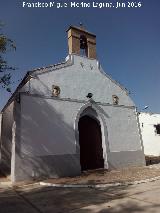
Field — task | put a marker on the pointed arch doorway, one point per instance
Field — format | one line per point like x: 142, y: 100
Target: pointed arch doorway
x: 90, y: 141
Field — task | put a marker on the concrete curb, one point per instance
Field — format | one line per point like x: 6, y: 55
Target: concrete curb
x: 98, y: 185
x: 5, y: 183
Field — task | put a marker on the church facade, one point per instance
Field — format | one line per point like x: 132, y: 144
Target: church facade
x: 70, y: 117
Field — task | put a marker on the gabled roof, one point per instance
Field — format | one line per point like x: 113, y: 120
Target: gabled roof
x: 68, y: 62
x: 80, y: 29
x: 29, y: 75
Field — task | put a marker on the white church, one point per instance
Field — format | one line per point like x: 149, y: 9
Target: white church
x: 69, y: 117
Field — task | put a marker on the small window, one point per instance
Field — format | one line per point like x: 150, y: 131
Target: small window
x: 55, y: 90
x: 157, y: 129
x: 115, y: 99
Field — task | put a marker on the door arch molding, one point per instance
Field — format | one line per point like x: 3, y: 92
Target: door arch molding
x: 93, y: 111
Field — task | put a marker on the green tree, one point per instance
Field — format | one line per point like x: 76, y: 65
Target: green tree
x: 6, y: 45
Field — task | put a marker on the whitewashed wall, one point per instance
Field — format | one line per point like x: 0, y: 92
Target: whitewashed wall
x: 47, y: 127
x: 6, y: 138
x: 151, y: 139
x: 0, y: 133
x: 77, y: 80
x: 48, y: 139
x: 122, y: 126
x: 48, y: 123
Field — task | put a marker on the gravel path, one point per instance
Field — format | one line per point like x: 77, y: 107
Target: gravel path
x: 102, y: 176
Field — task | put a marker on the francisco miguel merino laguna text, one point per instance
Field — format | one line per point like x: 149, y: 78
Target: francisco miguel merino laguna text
x: 74, y: 4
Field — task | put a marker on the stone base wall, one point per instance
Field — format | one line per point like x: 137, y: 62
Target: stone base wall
x: 125, y: 159
x: 54, y: 166
x: 51, y: 166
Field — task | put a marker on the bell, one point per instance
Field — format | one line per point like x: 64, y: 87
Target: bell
x: 83, y: 42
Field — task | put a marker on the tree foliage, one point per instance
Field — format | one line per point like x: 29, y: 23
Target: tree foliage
x: 6, y: 45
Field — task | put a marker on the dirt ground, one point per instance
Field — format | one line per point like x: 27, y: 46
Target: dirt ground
x: 103, y: 176
x: 35, y: 198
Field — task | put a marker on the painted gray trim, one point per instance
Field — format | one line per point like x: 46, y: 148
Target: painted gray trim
x: 75, y: 100
x: 49, y: 166
x: 125, y: 159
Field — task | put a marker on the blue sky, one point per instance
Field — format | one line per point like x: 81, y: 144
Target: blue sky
x: 128, y: 42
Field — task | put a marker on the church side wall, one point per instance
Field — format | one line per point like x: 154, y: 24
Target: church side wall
x: 6, y: 139
x: 48, y: 144
x: 0, y: 134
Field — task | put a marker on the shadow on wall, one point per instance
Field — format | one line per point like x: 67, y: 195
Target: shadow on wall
x: 6, y: 140
x: 47, y: 141
x: 5, y: 164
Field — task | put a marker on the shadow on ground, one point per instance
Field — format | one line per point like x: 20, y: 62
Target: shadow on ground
x: 31, y: 199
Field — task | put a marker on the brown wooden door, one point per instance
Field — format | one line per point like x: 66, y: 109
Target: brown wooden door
x: 90, y: 140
